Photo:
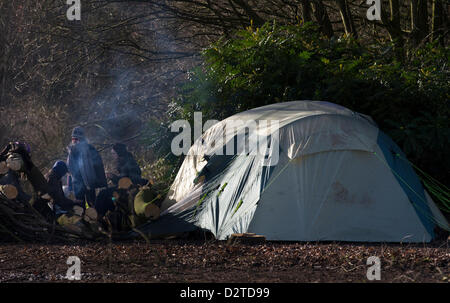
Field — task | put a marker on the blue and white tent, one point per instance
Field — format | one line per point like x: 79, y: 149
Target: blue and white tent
x: 328, y: 173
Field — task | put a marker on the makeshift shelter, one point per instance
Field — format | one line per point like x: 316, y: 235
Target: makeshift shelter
x: 326, y: 173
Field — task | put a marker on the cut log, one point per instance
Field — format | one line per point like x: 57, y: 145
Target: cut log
x: 78, y: 210
x: 125, y: 183
x: 144, y: 205
x: 72, y: 223
x: 10, y: 191
x: 3, y: 168
x: 68, y: 220
x: 152, y: 211
x: 247, y: 238
x: 15, y: 162
x: 90, y: 215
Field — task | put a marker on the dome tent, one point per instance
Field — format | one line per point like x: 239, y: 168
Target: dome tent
x: 336, y: 177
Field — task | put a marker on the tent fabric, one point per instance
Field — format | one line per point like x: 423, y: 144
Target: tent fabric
x: 408, y: 180
x: 326, y: 173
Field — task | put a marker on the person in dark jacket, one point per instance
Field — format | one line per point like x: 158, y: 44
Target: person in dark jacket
x: 112, y: 204
x: 104, y: 201
x: 61, y: 203
x: 86, y: 168
x: 124, y: 164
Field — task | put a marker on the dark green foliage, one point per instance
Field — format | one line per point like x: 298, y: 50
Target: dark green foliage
x: 409, y: 99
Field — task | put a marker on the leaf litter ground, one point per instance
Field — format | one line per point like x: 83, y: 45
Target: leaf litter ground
x: 209, y: 261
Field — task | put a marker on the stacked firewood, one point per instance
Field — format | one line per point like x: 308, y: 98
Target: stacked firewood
x: 28, y: 215
x: 136, y: 204
x: 23, y: 223
x: 32, y: 218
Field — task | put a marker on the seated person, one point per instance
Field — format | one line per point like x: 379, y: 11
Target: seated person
x: 69, y: 213
x: 104, y: 201
x: 61, y: 203
x: 124, y: 164
x: 126, y: 206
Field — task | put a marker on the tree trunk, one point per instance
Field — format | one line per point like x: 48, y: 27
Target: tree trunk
x: 5, y: 12
x: 347, y: 18
x: 419, y: 20
x: 306, y: 11
x: 321, y: 15
x: 394, y: 6
x: 437, y: 26
x: 393, y: 26
x: 257, y: 20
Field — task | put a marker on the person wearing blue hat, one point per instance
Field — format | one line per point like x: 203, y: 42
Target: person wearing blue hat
x: 86, y: 168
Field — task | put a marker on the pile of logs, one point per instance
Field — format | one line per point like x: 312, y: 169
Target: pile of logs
x: 21, y: 222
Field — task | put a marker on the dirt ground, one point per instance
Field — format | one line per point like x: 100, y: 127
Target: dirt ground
x: 208, y: 261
